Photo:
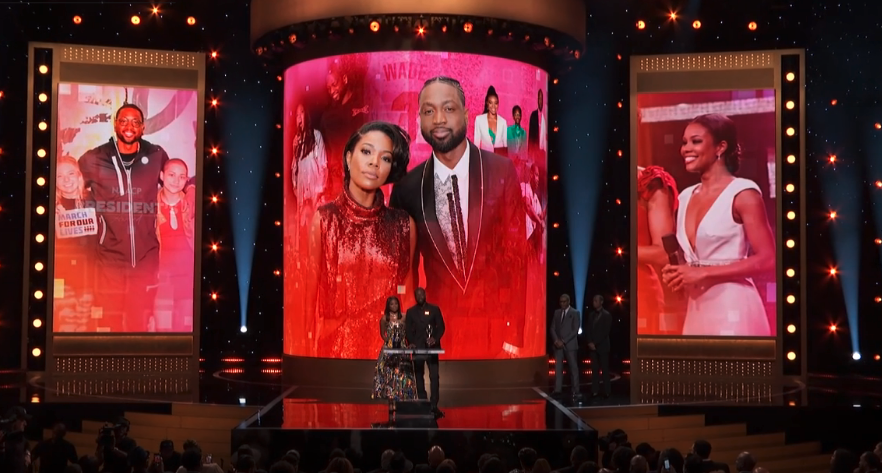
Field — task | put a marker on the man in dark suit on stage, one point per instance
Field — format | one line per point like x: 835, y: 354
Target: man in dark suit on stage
x: 598, y: 324
x: 537, y: 134
x: 564, y: 332
x: 469, y: 212
x: 425, y: 327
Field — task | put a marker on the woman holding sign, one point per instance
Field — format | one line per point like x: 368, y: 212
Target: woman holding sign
x: 76, y: 229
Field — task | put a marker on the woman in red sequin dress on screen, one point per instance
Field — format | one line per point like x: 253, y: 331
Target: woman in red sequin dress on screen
x: 175, y: 229
x: 656, y: 204
x: 360, y: 250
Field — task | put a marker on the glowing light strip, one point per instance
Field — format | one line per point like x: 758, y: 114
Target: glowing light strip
x: 689, y: 111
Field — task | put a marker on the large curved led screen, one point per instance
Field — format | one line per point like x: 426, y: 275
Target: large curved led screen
x: 125, y: 209
x: 706, y: 214
x: 373, y: 223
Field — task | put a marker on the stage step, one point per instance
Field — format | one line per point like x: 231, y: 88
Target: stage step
x: 628, y: 424
x: 171, y: 421
x: 616, y: 412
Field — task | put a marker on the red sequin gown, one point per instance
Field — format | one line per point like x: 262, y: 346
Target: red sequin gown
x: 365, y: 257
x: 650, y: 294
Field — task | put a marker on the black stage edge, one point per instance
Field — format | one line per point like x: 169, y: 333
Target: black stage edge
x: 521, y: 372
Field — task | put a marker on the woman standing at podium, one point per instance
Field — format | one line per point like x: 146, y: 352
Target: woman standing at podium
x: 394, y: 379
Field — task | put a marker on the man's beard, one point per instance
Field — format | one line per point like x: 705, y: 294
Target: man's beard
x: 446, y: 145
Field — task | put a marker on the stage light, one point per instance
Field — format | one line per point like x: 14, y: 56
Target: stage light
x: 214, y: 247
x: 790, y: 272
x: 619, y: 251
x: 791, y: 159
x: 43, y: 69
x: 618, y: 299
x: 555, y: 177
x: 42, y: 97
x: 641, y: 24
x: 278, y: 223
x: 791, y: 299
x: 791, y: 403
x: 214, y: 54
x: 672, y: 15
x: 833, y: 271
x: 277, y: 272
x: 191, y: 20
x: 41, y: 181
x: 40, y: 238
x: 555, y: 225
x: 790, y: 77
x: 832, y: 158
x: 214, y: 296
x: 444, y: 28
x: 214, y: 151
x: 243, y: 329
x: 421, y: 31
x: 790, y: 243
x: 214, y: 199
x: 155, y: 10
x: 878, y: 183
x: 40, y: 210
x: 834, y: 102
x: 555, y: 81
x: 38, y: 266
x: 878, y: 126
x: 42, y: 126
x: 292, y: 38
x: 791, y: 328
x: 618, y: 201
x: 878, y: 241
x: 468, y: 26
x: 878, y: 299
x: 36, y: 352
x: 77, y: 19
x: 877, y: 357
x: 833, y: 215
x: 556, y: 129
x: 38, y: 294
x: 790, y: 188
x: 214, y: 102
x: 619, y: 153
x: 556, y: 274
x: 856, y: 356
x: 696, y: 24
x: 136, y: 20
x: 790, y: 105
x: 791, y: 215
x: 375, y: 26
x: 833, y: 328
x: 620, y: 105
x: 791, y: 355
x: 41, y: 153
x: 751, y: 26
x: 38, y: 323
x: 791, y: 131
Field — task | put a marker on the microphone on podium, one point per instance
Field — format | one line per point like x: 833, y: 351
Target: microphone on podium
x: 672, y: 248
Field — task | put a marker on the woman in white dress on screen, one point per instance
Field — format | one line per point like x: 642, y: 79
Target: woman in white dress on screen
x: 309, y: 171
x: 491, y: 130
x: 724, y: 234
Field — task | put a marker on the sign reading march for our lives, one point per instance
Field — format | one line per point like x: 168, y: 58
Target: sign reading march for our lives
x: 76, y: 223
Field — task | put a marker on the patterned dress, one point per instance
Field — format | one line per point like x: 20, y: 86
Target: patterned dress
x: 394, y: 378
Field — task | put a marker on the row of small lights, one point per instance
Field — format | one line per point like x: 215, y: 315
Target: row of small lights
x: 136, y: 19
x: 696, y: 24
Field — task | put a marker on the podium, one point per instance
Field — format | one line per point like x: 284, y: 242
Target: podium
x: 418, y: 412
x: 413, y: 351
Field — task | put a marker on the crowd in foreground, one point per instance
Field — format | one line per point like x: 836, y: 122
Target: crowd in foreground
x: 116, y: 452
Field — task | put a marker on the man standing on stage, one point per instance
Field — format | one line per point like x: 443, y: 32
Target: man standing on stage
x: 598, y: 324
x: 564, y: 332
x: 425, y: 327
x: 468, y: 208
x: 123, y: 175
x: 537, y: 139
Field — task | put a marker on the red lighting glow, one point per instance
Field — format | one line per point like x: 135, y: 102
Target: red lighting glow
x: 619, y: 299
x: 214, y: 54
x: 672, y: 15
x: 878, y: 299
x: 833, y: 328
x: 421, y: 31
x: 555, y: 225
x: 214, y: 247
x: 696, y: 24
x: 468, y: 26
x: 832, y: 158
x: 214, y: 150
x: 751, y: 26
x: 641, y: 25
x: 375, y: 26
x: 555, y: 177
x: 214, y: 199
x: 214, y: 296
x: 77, y: 19
x: 834, y: 102
x: 877, y: 357
x: 878, y: 183
x: 556, y: 274
x: 136, y: 20
x: 833, y: 215
x: 878, y: 241
x: 878, y: 126
x: 833, y: 271
x: 619, y: 251
x: 214, y: 102
x: 191, y: 20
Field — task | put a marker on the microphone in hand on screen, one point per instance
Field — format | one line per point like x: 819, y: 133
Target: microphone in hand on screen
x: 672, y: 248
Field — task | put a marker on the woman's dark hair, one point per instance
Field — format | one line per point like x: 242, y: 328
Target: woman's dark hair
x: 491, y: 92
x: 673, y: 456
x: 722, y: 128
x: 308, y: 143
x: 516, y: 109
x: 388, y: 310
x: 400, y: 148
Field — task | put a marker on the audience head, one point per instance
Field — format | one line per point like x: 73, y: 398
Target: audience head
x: 745, y: 462
x: 446, y: 466
x: 674, y: 457
x: 73, y: 468
x: 436, y: 456
x: 282, y: 466
x: 483, y: 459
x: 527, y: 457
x: 385, y: 459
x: 292, y: 457
x: 191, y: 459
x: 89, y: 464
x: 353, y: 455
x: 191, y: 444
x: 578, y: 456
x: 59, y: 430
x: 339, y: 465
x: 648, y: 453
x: 639, y: 464
x: 843, y: 461
x: 245, y: 464
x: 493, y: 465
x: 588, y: 467
x: 398, y: 463
x: 702, y: 448
x: 139, y: 458
x: 870, y: 462
x: 542, y: 466
x: 621, y: 459
x: 693, y: 464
